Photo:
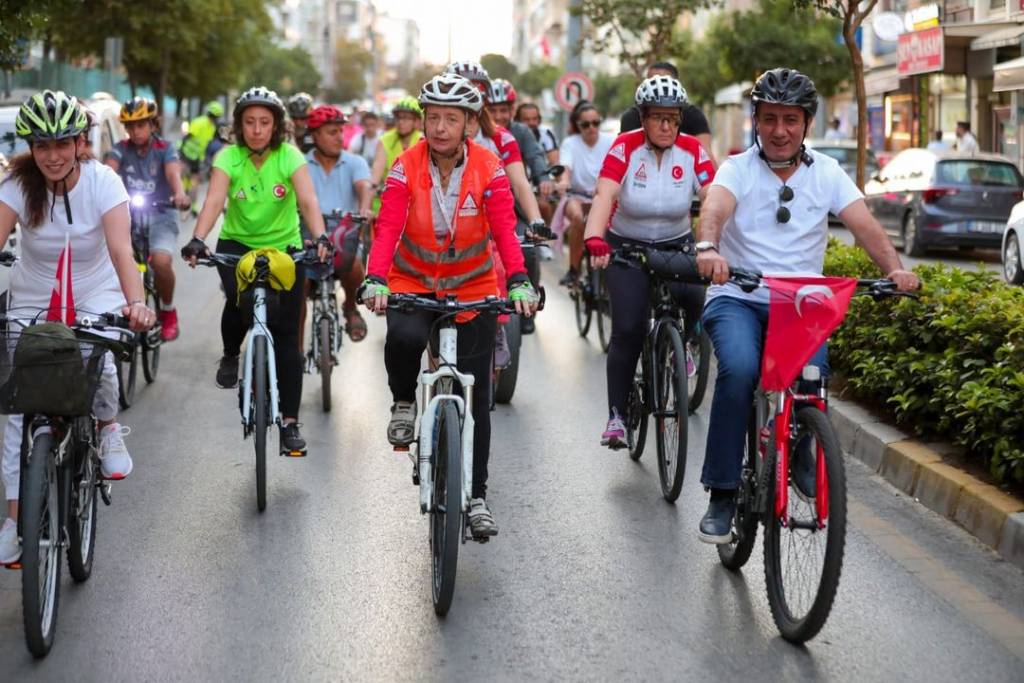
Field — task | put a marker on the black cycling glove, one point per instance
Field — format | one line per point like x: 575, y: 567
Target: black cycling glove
x: 194, y: 249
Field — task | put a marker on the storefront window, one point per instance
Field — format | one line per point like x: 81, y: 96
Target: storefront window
x: 899, y: 121
x: 949, y: 103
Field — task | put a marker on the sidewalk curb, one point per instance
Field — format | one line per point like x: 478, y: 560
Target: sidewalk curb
x: 994, y: 517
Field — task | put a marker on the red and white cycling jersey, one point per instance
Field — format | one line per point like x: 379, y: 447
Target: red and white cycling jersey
x: 503, y: 144
x: 654, y: 202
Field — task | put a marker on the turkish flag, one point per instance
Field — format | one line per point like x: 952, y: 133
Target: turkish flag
x: 62, y: 300
x: 802, y: 314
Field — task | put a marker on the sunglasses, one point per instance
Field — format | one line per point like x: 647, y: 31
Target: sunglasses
x: 785, y: 194
x: 583, y: 125
x: 663, y: 119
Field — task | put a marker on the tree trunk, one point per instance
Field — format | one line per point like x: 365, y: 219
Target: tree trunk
x: 857, y: 62
x: 161, y: 85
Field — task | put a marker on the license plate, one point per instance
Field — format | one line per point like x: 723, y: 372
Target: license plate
x: 984, y: 226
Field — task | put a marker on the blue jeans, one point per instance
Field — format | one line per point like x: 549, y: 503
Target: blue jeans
x: 737, y: 328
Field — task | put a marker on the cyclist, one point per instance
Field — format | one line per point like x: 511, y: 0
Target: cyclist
x: 201, y: 130
x: 768, y: 210
x: 342, y: 182
x: 364, y: 143
x: 644, y: 193
x: 219, y: 141
x: 263, y: 179
x: 528, y: 114
x: 694, y: 122
x: 448, y: 196
x: 405, y: 134
x: 58, y: 193
x: 148, y: 164
x: 582, y: 154
x: 299, y: 107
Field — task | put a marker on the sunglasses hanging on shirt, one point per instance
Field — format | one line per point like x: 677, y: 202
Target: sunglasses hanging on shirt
x: 785, y: 195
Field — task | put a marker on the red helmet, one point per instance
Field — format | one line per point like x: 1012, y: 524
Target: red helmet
x: 500, y: 92
x: 324, y: 114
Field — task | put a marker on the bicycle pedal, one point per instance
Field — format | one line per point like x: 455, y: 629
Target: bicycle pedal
x: 105, y: 492
x: 13, y: 566
x: 400, y: 449
x: 293, y: 454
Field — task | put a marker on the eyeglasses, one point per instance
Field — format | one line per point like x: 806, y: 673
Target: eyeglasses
x: 663, y: 119
x: 785, y: 194
x: 584, y: 125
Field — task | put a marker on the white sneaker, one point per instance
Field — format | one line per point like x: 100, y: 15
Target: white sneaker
x: 10, y: 547
x: 115, y: 463
x: 481, y: 521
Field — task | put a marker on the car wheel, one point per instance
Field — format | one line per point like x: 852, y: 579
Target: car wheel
x: 1012, y: 270
x: 911, y: 241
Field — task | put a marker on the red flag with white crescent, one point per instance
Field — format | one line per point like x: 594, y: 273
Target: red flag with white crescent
x: 62, y: 300
x: 803, y: 312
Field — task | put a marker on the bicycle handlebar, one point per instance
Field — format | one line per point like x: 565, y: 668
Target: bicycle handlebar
x: 304, y: 256
x: 415, y: 302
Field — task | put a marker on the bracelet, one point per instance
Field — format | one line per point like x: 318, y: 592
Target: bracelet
x: 138, y: 301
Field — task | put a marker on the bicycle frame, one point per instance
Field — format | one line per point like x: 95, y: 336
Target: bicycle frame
x: 259, y: 329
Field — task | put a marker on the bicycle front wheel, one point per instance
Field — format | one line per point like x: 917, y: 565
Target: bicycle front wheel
x: 40, y: 552
x: 636, y: 416
x: 82, y: 518
x: 603, y: 304
x: 261, y: 413
x: 699, y: 353
x: 446, y: 515
x: 804, y: 557
x: 128, y: 374
x: 671, y: 414
x: 326, y: 362
x: 583, y: 299
x: 151, y: 341
x: 505, y: 387
x: 735, y: 554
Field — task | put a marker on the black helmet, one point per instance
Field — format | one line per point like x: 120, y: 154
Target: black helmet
x: 300, y: 105
x: 786, y: 86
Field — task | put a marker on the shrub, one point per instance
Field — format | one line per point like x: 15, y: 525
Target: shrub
x: 950, y: 363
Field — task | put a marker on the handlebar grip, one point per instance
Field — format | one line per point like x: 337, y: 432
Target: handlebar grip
x: 115, y: 320
x: 7, y: 258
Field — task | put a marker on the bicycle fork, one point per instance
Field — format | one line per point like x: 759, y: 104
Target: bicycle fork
x: 259, y: 329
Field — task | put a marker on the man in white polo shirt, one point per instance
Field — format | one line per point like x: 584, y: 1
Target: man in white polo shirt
x: 767, y: 210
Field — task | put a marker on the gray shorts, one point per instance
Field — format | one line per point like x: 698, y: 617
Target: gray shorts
x: 163, y: 233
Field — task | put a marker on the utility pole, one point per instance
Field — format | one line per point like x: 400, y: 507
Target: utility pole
x: 574, y: 56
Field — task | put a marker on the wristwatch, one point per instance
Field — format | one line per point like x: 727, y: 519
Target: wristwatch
x: 705, y: 246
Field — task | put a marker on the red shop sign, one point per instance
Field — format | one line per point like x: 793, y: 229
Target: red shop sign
x: 921, y: 52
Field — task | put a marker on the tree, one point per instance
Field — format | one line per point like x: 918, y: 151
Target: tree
x: 498, y: 66
x: 23, y: 22
x: 537, y: 79
x: 642, y: 31
x: 351, y: 63
x: 852, y: 14
x: 285, y: 70
x: 414, y: 80
x: 614, y: 94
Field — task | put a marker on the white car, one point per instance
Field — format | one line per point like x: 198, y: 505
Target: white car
x: 1013, y: 236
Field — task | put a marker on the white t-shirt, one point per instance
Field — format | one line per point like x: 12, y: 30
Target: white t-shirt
x: 95, y: 285
x: 364, y: 146
x: 752, y: 238
x: 546, y: 138
x: 585, y: 162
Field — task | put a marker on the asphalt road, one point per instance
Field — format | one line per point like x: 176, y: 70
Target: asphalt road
x: 593, y: 576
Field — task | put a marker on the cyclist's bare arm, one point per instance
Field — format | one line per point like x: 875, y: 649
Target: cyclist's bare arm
x: 113, y: 163
x: 563, y: 180
x: 8, y: 219
x: 552, y: 157
x: 872, y: 238
x: 601, y: 210
x: 309, y: 207
x: 522, y: 190
x: 364, y: 194
x: 117, y: 224
x: 216, y: 195
x: 172, y: 171
x: 380, y: 160
x: 717, y: 205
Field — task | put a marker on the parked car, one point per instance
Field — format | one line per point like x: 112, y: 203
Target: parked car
x: 845, y: 152
x: 1013, y: 237
x: 10, y: 144
x: 929, y: 199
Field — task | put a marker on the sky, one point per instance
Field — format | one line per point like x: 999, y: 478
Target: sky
x: 478, y: 26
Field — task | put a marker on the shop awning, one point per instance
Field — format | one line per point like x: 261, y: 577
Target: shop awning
x: 1000, y: 38
x: 881, y: 81
x: 737, y: 93
x: 1008, y: 75
x: 978, y: 30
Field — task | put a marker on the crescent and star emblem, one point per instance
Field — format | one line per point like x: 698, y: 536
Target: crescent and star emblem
x: 811, y: 290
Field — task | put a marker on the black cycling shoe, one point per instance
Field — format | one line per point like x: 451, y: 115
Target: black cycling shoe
x: 527, y: 325
x: 802, y: 468
x: 716, y: 524
x: 292, y: 443
x: 227, y: 372
x: 569, y: 278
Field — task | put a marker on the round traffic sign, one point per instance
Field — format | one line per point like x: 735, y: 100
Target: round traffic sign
x: 571, y: 88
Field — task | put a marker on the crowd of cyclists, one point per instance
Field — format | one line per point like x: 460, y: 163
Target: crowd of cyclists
x: 454, y: 179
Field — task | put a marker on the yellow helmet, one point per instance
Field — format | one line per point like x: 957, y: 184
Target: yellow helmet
x: 137, y: 109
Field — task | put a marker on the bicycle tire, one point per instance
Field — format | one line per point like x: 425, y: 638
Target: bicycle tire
x: 583, y: 300
x: 671, y: 419
x: 260, y: 418
x: 698, y: 383
x: 326, y: 362
x: 799, y: 628
x: 637, y: 418
x: 505, y: 387
x: 151, y: 341
x: 82, y: 519
x: 446, y: 515
x: 128, y: 374
x: 735, y: 554
x: 603, y: 304
x: 39, y: 511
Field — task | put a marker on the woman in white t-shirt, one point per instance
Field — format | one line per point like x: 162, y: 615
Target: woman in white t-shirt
x: 60, y: 195
x: 582, y: 154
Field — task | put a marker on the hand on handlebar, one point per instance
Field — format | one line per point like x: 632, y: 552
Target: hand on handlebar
x: 182, y: 201
x: 374, y: 294
x: 324, y: 248
x: 905, y: 280
x: 600, y: 251
x: 193, y: 250
x: 713, y: 266
x: 524, y: 296
x: 140, y: 317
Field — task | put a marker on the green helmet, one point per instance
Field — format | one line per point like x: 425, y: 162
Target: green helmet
x: 50, y: 115
x: 410, y: 104
x: 215, y: 109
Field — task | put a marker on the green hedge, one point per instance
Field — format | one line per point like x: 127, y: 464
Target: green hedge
x: 949, y: 364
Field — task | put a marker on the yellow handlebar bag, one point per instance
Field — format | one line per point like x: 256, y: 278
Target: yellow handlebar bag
x: 282, y: 270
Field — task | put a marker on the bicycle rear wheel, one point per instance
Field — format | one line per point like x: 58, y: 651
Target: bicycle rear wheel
x: 505, y: 387
x: 603, y: 304
x: 446, y: 515
x: 128, y: 374
x: 671, y: 416
x: 803, y: 560
x: 82, y: 517
x: 260, y: 417
x: 326, y: 361
x: 40, y: 553
x: 735, y: 554
x: 699, y: 350
x: 151, y: 341
x: 583, y: 299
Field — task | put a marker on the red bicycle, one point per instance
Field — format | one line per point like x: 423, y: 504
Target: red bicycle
x: 805, y: 533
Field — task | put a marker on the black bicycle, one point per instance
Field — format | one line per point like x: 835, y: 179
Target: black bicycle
x: 589, y: 293
x: 49, y: 373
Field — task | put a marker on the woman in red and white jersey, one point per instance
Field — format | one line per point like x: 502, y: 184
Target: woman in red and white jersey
x: 644, y: 193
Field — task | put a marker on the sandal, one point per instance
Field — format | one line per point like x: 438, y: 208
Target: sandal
x: 355, y: 326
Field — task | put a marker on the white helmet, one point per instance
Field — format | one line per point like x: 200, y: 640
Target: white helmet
x: 472, y: 71
x: 661, y: 91
x: 449, y: 90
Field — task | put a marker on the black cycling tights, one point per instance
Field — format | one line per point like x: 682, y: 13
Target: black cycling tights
x: 629, y: 291
x: 406, y: 341
x: 284, y: 325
